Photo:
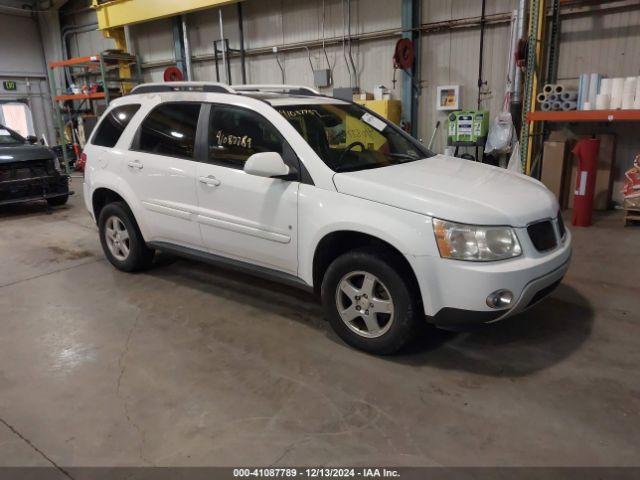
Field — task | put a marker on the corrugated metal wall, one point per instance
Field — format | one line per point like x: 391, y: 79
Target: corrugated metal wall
x: 608, y: 43
x: 22, y: 61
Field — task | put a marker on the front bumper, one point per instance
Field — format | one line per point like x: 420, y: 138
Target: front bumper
x: 534, y: 291
x: 33, y: 189
x: 454, y: 292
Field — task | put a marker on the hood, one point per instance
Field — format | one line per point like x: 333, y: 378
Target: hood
x: 22, y: 153
x: 454, y: 189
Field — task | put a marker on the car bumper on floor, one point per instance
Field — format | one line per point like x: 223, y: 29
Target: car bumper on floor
x: 455, y: 293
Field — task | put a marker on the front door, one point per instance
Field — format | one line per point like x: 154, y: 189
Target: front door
x: 161, y: 169
x: 242, y: 216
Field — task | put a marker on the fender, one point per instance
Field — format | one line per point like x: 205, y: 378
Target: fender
x: 322, y: 212
x: 109, y: 180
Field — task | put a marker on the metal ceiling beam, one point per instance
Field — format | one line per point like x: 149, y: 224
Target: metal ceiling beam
x: 118, y: 13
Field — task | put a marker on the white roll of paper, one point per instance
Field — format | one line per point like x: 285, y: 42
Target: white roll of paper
x: 559, y: 88
x: 629, y: 89
x: 545, y: 106
x: 569, y: 96
x: 627, y: 102
x: 603, y: 101
x: 605, y: 86
x: 557, y: 106
x: 566, y: 106
x: 548, y: 88
x: 594, y: 85
x: 617, y: 87
x: 583, y: 90
x: 542, y: 97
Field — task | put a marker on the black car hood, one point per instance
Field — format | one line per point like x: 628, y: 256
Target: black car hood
x: 23, y: 153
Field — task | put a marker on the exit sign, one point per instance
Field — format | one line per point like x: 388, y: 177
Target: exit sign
x: 9, y: 85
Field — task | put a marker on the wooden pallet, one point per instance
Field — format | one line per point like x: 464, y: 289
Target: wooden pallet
x: 631, y: 214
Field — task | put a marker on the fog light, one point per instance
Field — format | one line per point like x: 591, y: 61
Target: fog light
x: 500, y: 299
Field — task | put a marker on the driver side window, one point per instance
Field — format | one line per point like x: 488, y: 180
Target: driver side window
x: 235, y: 134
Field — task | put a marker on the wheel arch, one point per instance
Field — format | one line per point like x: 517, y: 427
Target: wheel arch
x: 102, y: 195
x: 338, y: 242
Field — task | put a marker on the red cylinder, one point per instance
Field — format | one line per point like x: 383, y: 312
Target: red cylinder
x: 587, y: 152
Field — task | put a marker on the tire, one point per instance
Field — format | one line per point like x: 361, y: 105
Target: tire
x: 58, y: 201
x: 391, y: 284
x: 127, y: 251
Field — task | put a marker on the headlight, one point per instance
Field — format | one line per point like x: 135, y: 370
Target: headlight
x: 475, y: 243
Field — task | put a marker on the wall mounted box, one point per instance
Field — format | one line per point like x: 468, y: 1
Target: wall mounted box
x: 322, y: 78
x: 448, y: 97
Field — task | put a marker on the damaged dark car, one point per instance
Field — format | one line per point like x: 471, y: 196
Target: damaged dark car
x: 30, y: 172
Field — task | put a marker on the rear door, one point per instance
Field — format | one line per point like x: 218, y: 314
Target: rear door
x: 161, y: 170
x: 242, y: 216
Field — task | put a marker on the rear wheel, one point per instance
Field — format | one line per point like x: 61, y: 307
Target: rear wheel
x: 121, y: 240
x: 58, y: 201
x: 371, y: 301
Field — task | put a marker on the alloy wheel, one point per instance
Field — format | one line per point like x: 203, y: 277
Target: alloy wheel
x: 117, y: 237
x: 364, y: 304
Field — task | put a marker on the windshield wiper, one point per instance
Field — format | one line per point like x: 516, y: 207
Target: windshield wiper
x: 405, y: 156
x: 355, y: 168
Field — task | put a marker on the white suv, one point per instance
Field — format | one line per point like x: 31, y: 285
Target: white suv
x: 323, y: 194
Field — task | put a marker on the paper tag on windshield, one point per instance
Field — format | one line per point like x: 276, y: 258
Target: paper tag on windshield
x: 4, y: 132
x: 373, y: 121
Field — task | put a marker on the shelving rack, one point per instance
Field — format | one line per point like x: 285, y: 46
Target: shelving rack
x: 112, y: 74
x: 546, y: 54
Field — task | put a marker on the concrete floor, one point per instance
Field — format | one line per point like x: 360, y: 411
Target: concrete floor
x: 190, y: 365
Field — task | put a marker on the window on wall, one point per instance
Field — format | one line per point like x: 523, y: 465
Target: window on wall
x: 17, y: 116
x: 235, y: 134
x: 113, y: 125
x: 170, y: 129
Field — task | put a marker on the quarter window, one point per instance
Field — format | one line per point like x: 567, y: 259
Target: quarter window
x: 170, y: 129
x: 113, y: 125
x: 235, y: 134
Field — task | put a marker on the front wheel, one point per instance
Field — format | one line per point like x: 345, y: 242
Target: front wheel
x: 371, y: 301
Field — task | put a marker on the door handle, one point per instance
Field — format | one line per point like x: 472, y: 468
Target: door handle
x: 135, y: 164
x: 210, y: 180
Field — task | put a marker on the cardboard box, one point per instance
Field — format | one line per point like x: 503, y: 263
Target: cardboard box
x: 363, y: 96
x: 555, y: 169
x: 604, y: 177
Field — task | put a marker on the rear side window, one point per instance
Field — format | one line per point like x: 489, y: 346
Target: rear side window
x: 113, y: 125
x: 170, y: 129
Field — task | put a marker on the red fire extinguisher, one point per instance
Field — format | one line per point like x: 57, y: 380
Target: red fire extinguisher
x: 587, y: 152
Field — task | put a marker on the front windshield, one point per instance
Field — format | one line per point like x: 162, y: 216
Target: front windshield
x: 9, y: 137
x: 349, y: 138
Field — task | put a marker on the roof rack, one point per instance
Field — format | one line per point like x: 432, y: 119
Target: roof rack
x: 211, y: 87
x: 292, y: 89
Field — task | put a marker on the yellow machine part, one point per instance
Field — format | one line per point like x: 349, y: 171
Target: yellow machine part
x: 389, y: 109
x: 118, y: 13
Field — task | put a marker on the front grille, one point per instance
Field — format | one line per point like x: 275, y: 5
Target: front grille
x: 561, y: 228
x: 30, y: 179
x: 26, y: 170
x: 542, y: 235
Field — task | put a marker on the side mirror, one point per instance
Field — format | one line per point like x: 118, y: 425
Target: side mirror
x: 266, y: 164
x: 32, y: 139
